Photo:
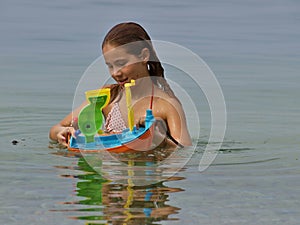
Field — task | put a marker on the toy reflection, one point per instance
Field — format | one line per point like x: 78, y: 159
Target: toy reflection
x: 118, y: 203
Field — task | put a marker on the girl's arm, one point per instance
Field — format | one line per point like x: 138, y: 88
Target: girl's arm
x: 176, y: 122
x: 60, y: 131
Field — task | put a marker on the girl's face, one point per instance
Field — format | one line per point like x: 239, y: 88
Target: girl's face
x: 123, y: 66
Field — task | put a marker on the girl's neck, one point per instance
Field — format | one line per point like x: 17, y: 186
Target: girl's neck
x: 142, y: 88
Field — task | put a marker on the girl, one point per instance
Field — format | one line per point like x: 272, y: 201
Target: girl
x: 129, y: 55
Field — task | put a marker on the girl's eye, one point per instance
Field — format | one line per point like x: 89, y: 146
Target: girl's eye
x: 121, y: 63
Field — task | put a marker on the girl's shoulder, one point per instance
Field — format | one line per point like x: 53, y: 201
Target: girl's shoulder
x: 167, y: 104
x: 164, y: 97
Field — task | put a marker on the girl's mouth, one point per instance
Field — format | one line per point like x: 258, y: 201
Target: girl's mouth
x: 122, y: 82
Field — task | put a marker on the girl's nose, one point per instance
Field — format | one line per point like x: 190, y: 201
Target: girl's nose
x: 116, y: 72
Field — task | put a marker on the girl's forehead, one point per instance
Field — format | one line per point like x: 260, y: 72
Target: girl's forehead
x: 112, y: 51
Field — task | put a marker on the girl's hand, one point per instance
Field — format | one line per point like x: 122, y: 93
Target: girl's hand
x: 62, y: 136
x: 141, y: 122
x: 160, y: 130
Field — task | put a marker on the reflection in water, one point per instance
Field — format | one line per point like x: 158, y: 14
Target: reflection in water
x: 108, y: 201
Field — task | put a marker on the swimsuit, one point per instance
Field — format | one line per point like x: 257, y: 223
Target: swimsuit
x: 114, y: 121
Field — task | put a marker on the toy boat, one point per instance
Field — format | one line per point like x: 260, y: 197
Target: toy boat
x: 92, y: 139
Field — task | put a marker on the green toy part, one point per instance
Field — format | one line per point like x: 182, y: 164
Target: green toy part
x: 90, y: 117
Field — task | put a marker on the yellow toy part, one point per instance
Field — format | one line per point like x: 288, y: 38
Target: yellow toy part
x: 129, y: 105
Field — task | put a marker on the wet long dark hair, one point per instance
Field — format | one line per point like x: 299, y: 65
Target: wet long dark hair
x: 129, y: 32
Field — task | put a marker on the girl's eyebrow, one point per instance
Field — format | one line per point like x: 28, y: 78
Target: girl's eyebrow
x: 116, y: 61
x: 120, y: 60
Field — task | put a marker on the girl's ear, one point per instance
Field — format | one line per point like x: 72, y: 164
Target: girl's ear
x: 145, y: 55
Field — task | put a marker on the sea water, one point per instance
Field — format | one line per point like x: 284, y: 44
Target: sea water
x: 252, y: 47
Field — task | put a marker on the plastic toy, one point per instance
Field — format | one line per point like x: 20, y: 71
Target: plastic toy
x: 90, y: 119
